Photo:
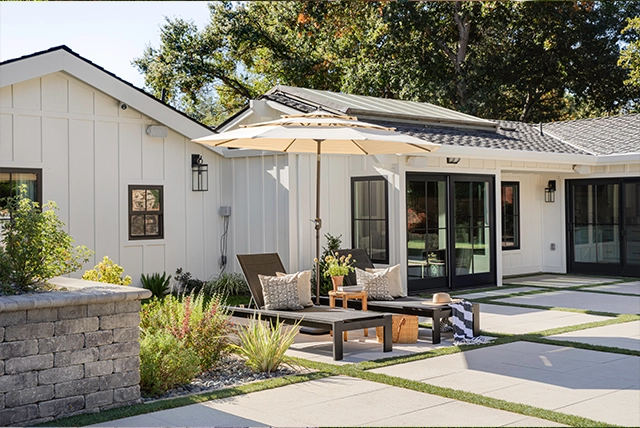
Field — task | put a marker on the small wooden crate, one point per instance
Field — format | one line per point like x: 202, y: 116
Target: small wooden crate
x: 404, y: 329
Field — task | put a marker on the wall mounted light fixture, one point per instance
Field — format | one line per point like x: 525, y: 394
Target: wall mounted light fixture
x: 550, y: 191
x: 453, y: 160
x: 199, y: 174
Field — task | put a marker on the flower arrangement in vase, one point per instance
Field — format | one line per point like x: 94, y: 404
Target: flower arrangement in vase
x: 337, y: 267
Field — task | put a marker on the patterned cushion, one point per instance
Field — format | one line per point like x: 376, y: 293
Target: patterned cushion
x: 280, y: 293
x: 394, y: 278
x: 375, y: 284
x: 304, y: 286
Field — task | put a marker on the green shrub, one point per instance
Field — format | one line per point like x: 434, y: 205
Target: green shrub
x: 156, y: 283
x: 186, y: 284
x: 165, y: 363
x: 229, y: 284
x: 263, y: 346
x: 201, y: 327
x: 35, y: 247
x: 108, y: 272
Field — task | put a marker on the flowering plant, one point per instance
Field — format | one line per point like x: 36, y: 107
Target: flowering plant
x: 338, y: 265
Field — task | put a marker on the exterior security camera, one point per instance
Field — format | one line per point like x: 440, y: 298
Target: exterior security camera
x: 123, y: 106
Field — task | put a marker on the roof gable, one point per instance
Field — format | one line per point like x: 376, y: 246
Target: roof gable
x: 63, y: 59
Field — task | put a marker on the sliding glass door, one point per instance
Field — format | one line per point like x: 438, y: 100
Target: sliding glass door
x: 450, y: 240
x: 603, y: 226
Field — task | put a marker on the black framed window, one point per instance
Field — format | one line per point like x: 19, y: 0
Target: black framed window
x: 510, y: 215
x: 369, y: 217
x: 12, y: 178
x: 146, y: 208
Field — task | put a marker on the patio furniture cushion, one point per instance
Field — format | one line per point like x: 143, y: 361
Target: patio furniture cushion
x: 280, y: 292
x: 395, y: 279
x: 375, y: 284
x: 304, y: 286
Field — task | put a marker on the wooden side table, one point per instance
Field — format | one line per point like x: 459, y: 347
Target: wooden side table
x: 345, y: 296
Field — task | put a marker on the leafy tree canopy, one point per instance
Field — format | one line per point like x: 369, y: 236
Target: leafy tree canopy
x: 529, y: 61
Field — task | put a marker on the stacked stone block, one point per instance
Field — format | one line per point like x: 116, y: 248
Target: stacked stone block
x: 61, y: 361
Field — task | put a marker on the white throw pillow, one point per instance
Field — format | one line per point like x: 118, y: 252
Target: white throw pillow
x: 280, y: 293
x: 394, y: 278
x: 375, y: 284
x: 304, y: 285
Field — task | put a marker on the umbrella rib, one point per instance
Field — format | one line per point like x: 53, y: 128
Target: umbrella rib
x: 420, y: 147
x: 360, y: 147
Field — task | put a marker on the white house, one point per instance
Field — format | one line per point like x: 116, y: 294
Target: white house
x: 77, y: 134
x: 468, y: 214
x: 497, y: 199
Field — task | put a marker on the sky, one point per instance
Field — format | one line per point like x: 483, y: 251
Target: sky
x: 109, y: 34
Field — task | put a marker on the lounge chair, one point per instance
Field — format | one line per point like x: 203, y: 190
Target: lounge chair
x: 409, y: 305
x: 338, y: 320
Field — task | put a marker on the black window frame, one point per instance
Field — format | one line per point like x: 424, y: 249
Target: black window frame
x: 369, y: 179
x: 159, y: 213
x: 517, y: 237
x: 38, y: 174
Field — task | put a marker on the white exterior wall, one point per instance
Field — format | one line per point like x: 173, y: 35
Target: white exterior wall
x: 90, y: 151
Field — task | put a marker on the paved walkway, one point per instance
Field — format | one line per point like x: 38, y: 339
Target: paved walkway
x: 597, y: 385
x: 557, y: 281
x: 602, y: 386
x: 599, y: 302
x: 334, y: 401
x: 626, y: 336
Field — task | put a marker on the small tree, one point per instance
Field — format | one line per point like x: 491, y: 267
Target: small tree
x: 333, y: 245
x: 35, y: 247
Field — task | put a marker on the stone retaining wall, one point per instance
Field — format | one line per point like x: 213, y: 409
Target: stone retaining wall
x: 69, y: 352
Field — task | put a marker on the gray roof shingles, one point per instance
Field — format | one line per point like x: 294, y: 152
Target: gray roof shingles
x: 603, y: 136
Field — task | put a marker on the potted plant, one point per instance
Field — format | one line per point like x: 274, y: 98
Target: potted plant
x: 337, y: 267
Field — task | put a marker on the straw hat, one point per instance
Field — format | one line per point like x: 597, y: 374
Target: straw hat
x: 442, y: 299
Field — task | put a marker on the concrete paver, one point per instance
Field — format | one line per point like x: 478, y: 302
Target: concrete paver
x: 497, y: 292
x: 514, y: 320
x: 332, y: 401
x: 581, y: 300
x: 557, y: 281
x: 546, y: 376
x: 360, y: 348
x: 624, y: 287
x: 625, y: 335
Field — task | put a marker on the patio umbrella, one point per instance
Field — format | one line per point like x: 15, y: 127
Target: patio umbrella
x: 319, y: 133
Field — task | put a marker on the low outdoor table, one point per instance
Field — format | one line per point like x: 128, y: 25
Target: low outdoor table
x: 337, y: 319
x: 345, y: 296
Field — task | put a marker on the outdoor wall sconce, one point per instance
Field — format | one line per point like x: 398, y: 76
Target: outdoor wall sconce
x: 199, y: 174
x: 550, y: 191
x: 453, y: 160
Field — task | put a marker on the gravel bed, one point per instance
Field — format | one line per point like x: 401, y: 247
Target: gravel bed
x: 230, y: 371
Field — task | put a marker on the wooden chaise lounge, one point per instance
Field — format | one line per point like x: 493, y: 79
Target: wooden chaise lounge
x: 409, y: 305
x: 338, y: 320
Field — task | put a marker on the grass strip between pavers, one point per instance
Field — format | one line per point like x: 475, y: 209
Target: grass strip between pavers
x: 171, y: 403
x: 549, y: 308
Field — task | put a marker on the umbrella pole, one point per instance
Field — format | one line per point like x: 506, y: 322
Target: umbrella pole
x: 318, y: 223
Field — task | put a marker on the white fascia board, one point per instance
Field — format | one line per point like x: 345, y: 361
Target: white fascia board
x: 31, y: 68
x: 627, y: 158
x: 41, y: 65
x: 513, y: 155
x: 234, y: 123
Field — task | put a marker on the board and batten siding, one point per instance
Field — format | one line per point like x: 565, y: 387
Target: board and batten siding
x: 90, y: 151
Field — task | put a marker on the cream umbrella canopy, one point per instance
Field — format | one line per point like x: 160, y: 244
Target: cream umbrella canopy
x: 319, y: 133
